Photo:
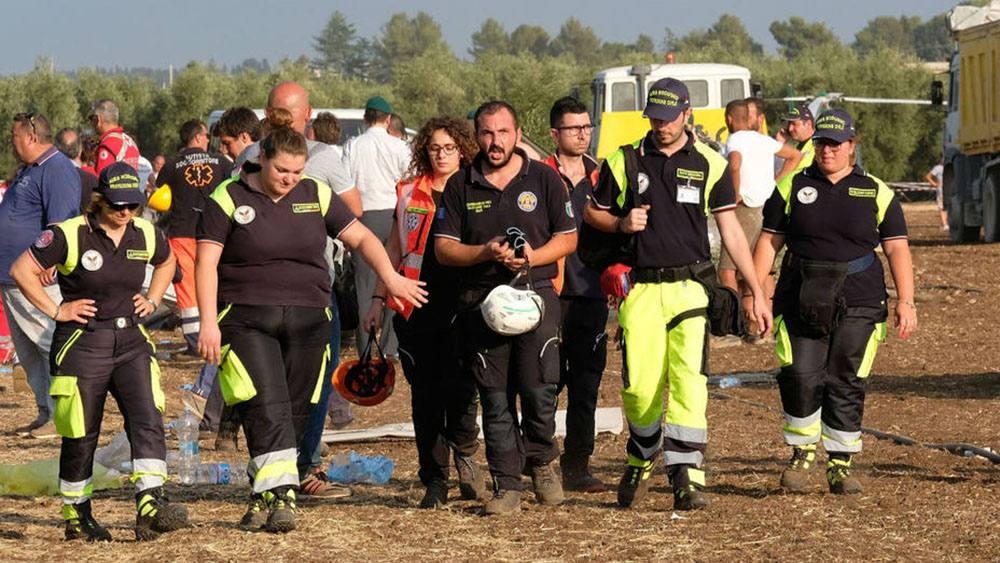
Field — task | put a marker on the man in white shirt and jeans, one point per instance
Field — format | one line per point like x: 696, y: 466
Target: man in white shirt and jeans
x: 376, y: 161
x: 751, y: 158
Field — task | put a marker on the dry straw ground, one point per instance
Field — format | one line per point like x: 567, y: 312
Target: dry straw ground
x: 942, y: 385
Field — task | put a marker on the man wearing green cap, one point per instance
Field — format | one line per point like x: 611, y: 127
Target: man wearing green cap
x: 376, y: 161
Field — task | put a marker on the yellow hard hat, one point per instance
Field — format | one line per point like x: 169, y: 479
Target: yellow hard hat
x: 161, y: 198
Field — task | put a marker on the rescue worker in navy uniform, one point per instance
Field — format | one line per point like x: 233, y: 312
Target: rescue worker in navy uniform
x: 261, y: 241
x: 99, y: 345
x: 503, y: 188
x: 583, y: 348
x: 663, y: 317
x: 443, y: 402
x: 830, y: 302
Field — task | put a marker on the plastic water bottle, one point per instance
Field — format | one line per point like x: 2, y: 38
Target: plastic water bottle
x: 222, y: 474
x: 356, y: 468
x: 187, y: 435
x: 729, y: 381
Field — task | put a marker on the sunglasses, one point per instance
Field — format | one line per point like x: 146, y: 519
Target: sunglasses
x: 121, y: 206
x: 27, y: 117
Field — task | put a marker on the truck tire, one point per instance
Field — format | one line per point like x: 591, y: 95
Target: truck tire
x: 991, y: 209
x: 957, y: 229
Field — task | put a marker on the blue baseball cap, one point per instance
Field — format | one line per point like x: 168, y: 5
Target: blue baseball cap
x: 834, y: 124
x: 668, y: 98
x: 119, y: 184
x: 798, y: 112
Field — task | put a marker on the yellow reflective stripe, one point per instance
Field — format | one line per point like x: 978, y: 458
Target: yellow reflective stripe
x: 149, y: 234
x: 878, y: 335
x: 782, y: 342
x: 223, y: 313
x: 322, y: 371
x: 86, y: 492
x: 66, y: 346
x: 139, y: 475
x: 329, y: 314
x: 785, y: 189
x: 149, y: 339
x: 717, y: 165
x: 883, y: 198
x: 324, y: 193
x: 277, y: 469
x: 810, y: 430
x: 220, y: 195
x: 154, y: 382
x: 696, y: 476
x: 616, y: 163
x: 71, y: 230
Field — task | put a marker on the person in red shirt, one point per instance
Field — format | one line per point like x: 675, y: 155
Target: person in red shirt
x: 114, y: 144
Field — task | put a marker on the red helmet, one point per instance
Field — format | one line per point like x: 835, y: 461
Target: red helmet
x: 366, y: 381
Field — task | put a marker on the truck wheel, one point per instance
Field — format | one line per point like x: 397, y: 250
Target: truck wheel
x: 991, y: 209
x: 957, y: 228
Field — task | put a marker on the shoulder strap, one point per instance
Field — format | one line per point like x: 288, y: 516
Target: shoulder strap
x: 631, y: 176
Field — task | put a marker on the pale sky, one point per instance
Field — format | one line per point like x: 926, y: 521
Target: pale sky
x: 109, y: 33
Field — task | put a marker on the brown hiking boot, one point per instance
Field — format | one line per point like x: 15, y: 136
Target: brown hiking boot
x: 795, y: 477
x: 634, y: 486
x: 576, y: 476
x: 504, y: 501
x: 689, y: 487
x: 548, y: 489
x: 470, y: 481
x: 838, y: 475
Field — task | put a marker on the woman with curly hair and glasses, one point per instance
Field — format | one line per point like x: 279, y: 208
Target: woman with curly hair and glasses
x: 444, y: 407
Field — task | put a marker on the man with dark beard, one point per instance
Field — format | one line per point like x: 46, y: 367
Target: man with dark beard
x: 505, y: 196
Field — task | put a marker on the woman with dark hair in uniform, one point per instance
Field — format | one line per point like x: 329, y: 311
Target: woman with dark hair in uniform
x: 443, y: 403
x: 830, y: 302
x: 260, y: 258
x: 99, y: 345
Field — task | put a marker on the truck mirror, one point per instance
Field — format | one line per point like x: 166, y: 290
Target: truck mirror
x: 937, y: 93
x: 756, y: 89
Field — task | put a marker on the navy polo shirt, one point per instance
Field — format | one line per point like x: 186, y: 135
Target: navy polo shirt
x: 273, y: 251
x: 110, y: 275
x: 579, y: 280
x: 473, y: 211
x: 192, y: 176
x: 44, y: 193
x: 680, y: 189
x: 836, y: 223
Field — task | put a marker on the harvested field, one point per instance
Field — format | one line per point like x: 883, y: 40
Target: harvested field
x: 942, y: 385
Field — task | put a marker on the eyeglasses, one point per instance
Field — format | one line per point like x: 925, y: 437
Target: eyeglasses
x: 832, y: 146
x: 446, y: 150
x: 121, y: 206
x: 576, y: 129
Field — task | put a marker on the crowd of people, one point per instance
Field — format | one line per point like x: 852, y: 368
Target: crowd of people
x: 474, y: 264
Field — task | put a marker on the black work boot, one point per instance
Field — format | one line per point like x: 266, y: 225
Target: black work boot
x: 838, y: 475
x: 470, y: 480
x: 436, y: 495
x: 634, y: 486
x: 256, y: 515
x: 689, y: 487
x: 280, y: 510
x: 576, y: 475
x: 80, y: 523
x: 156, y: 515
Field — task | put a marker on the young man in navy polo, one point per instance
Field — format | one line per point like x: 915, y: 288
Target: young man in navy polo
x: 502, y: 189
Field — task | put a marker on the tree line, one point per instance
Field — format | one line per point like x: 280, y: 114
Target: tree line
x: 411, y: 65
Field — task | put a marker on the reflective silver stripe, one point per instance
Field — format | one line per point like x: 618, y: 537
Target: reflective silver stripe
x: 190, y: 320
x: 148, y: 473
x: 840, y: 441
x: 652, y: 431
x: 685, y: 458
x: 75, y: 492
x: 275, y: 469
x: 685, y: 433
x: 412, y: 261
x: 802, y: 431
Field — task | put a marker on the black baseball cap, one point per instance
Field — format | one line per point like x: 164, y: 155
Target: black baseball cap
x: 119, y: 184
x: 668, y: 98
x: 834, y: 124
x: 798, y: 112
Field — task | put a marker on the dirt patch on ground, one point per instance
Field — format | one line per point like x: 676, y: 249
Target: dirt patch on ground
x: 942, y: 385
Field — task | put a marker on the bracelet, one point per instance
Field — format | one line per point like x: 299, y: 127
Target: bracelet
x: 379, y: 297
x: 618, y: 225
x: 910, y: 303
x: 151, y: 302
x: 56, y: 314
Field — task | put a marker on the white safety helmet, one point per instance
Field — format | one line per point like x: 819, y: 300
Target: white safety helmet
x: 510, y: 311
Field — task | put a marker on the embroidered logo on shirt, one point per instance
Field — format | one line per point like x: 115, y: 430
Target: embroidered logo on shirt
x: 807, y: 195
x: 686, y: 174
x: 198, y: 175
x: 245, y: 214
x: 92, y: 260
x: 862, y: 192
x: 527, y: 201
x: 412, y: 221
x: 478, y: 206
x: 44, y: 239
x: 305, y: 208
x: 643, y: 181
x: 137, y: 255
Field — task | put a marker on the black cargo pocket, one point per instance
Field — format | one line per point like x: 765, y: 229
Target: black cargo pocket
x: 548, y: 361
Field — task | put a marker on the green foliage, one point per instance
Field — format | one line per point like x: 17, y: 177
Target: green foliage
x: 795, y: 35
x: 491, y: 38
x: 334, y: 45
x: 930, y: 40
x: 529, y: 38
x: 727, y: 34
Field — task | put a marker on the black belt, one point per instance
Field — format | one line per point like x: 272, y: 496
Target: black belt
x: 853, y: 266
x: 117, y: 323
x: 661, y: 275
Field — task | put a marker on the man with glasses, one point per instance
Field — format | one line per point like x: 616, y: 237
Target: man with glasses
x: 45, y: 192
x: 583, y: 352
x: 114, y: 145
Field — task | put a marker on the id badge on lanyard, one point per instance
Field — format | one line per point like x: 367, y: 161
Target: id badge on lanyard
x: 687, y: 193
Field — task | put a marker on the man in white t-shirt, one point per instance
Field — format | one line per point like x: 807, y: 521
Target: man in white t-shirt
x: 751, y: 157
x: 936, y: 178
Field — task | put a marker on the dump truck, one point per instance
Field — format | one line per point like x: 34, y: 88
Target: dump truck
x: 971, y: 144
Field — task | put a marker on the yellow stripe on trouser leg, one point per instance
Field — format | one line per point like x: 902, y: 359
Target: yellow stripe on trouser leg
x: 802, y: 431
x: 275, y: 469
x: 77, y: 491
x: 644, y: 328
x: 685, y: 417
x: 148, y: 473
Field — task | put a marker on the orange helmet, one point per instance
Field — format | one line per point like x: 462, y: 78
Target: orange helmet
x: 367, y: 381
